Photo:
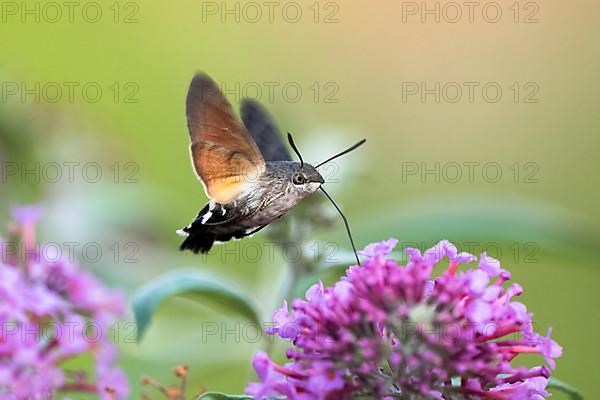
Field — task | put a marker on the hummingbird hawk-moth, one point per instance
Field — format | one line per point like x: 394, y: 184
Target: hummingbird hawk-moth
x: 245, y: 169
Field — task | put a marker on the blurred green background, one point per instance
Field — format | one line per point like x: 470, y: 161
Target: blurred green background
x: 355, y: 64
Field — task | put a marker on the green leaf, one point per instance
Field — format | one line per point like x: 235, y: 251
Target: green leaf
x: 191, y: 284
x: 564, y: 387
x: 222, y: 396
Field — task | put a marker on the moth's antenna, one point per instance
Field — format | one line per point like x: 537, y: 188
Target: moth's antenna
x: 345, y: 223
x: 291, y: 140
x: 348, y: 150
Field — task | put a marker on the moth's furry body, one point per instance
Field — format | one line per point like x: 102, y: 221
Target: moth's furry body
x: 262, y: 201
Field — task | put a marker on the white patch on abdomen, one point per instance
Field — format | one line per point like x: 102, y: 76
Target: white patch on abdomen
x: 206, y: 217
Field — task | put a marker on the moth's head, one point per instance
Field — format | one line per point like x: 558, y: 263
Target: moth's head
x: 305, y: 178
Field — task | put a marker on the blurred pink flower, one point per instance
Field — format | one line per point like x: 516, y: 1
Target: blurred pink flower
x: 46, y: 308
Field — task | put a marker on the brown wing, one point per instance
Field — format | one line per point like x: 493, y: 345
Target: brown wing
x: 224, y: 154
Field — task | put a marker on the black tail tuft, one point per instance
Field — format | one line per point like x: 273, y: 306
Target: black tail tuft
x: 199, y: 238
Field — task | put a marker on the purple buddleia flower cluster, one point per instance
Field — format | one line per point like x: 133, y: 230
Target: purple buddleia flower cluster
x: 50, y: 313
x: 393, y: 331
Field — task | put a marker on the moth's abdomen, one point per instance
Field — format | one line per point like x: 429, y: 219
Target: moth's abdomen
x: 215, y: 223
x: 200, y: 238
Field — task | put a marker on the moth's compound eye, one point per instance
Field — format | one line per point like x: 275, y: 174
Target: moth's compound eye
x: 298, y: 179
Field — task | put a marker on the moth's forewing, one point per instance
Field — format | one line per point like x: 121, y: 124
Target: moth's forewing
x: 224, y: 155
